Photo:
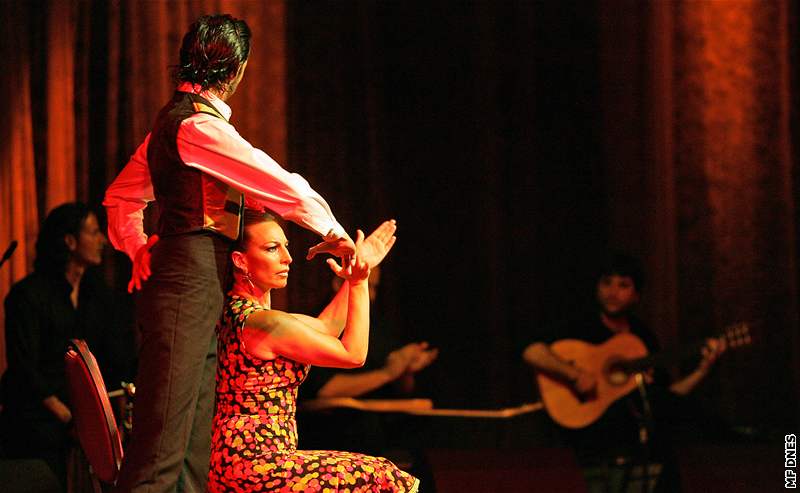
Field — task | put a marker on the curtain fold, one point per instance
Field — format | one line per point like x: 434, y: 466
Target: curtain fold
x: 59, y: 94
x: 19, y: 199
x: 736, y: 208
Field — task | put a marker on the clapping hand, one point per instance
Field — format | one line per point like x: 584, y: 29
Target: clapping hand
x: 410, y: 359
x: 358, y: 270
x: 378, y: 243
x: 423, y: 355
x: 343, y: 248
x: 372, y: 250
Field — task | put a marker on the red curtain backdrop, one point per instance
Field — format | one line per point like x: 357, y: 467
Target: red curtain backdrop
x: 512, y: 140
x: 516, y: 140
x: 18, y: 204
x: 85, y: 79
x: 705, y: 193
x: 736, y: 203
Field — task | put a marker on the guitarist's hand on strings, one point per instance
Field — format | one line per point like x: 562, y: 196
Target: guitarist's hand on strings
x: 585, y: 384
x: 710, y: 353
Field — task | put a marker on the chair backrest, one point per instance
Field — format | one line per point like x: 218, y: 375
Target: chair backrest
x: 94, y: 419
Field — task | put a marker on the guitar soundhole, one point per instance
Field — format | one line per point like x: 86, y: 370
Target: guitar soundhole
x: 615, y: 373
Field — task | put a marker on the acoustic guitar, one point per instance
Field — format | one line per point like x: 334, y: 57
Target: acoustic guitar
x: 614, y: 362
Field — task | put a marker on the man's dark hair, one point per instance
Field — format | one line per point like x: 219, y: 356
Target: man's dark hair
x: 622, y: 264
x: 52, y: 253
x: 213, y: 50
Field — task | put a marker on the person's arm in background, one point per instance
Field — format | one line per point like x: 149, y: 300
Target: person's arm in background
x: 422, y: 355
x: 58, y: 408
x: 23, y: 334
x: 710, y: 352
x: 400, y: 367
x: 355, y: 384
x: 541, y: 358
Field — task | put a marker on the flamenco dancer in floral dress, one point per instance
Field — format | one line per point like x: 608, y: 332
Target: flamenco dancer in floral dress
x: 264, y: 355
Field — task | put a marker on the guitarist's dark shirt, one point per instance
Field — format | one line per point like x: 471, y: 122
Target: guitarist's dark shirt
x: 616, y: 433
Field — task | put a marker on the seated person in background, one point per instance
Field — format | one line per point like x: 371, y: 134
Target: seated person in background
x: 389, y: 371
x: 616, y: 433
x: 60, y: 300
x: 264, y: 356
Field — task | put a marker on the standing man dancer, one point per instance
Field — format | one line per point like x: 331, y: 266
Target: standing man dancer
x: 198, y: 169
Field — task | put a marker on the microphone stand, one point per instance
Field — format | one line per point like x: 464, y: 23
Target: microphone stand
x: 645, y: 430
x: 9, y: 252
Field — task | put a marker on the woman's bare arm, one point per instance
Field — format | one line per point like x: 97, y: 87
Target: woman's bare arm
x: 270, y: 333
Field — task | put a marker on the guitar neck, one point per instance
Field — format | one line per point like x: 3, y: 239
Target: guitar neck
x: 663, y: 358
x: 735, y: 336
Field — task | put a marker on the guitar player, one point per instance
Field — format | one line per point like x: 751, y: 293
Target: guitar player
x: 615, y: 435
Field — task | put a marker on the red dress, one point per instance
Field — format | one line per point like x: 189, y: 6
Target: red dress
x: 254, y: 442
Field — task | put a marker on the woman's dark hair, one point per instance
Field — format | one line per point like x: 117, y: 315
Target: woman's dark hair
x: 52, y: 253
x: 213, y: 50
x: 622, y: 264
x: 249, y: 218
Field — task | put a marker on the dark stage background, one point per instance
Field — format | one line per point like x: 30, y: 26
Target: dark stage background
x: 513, y: 141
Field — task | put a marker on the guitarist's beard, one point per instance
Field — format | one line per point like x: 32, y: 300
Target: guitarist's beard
x: 616, y: 314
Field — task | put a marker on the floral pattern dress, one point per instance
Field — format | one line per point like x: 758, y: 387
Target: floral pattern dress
x: 254, y: 442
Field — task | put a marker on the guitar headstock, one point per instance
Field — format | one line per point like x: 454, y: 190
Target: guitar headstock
x: 737, y: 335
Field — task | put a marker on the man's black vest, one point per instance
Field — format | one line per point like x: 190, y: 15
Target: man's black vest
x: 189, y: 199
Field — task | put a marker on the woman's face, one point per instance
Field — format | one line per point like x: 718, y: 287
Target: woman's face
x: 266, y: 256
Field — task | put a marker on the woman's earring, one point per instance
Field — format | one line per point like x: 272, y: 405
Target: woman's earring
x: 246, y: 276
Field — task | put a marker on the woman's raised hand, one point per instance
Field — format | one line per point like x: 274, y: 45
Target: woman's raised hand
x: 359, y: 269
x: 375, y: 247
x: 372, y: 249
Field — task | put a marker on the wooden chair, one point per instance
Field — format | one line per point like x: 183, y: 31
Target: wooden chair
x: 95, y: 424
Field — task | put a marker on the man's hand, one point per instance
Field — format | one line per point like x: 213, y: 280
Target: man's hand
x: 409, y: 359
x: 396, y: 363
x: 585, y: 385
x: 58, y: 408
x: 354, y: 271
x: 378, y: 243
x: 141, y: 265
x: 422, y: 357
x: 339, y: 247
x: 711, y: 352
